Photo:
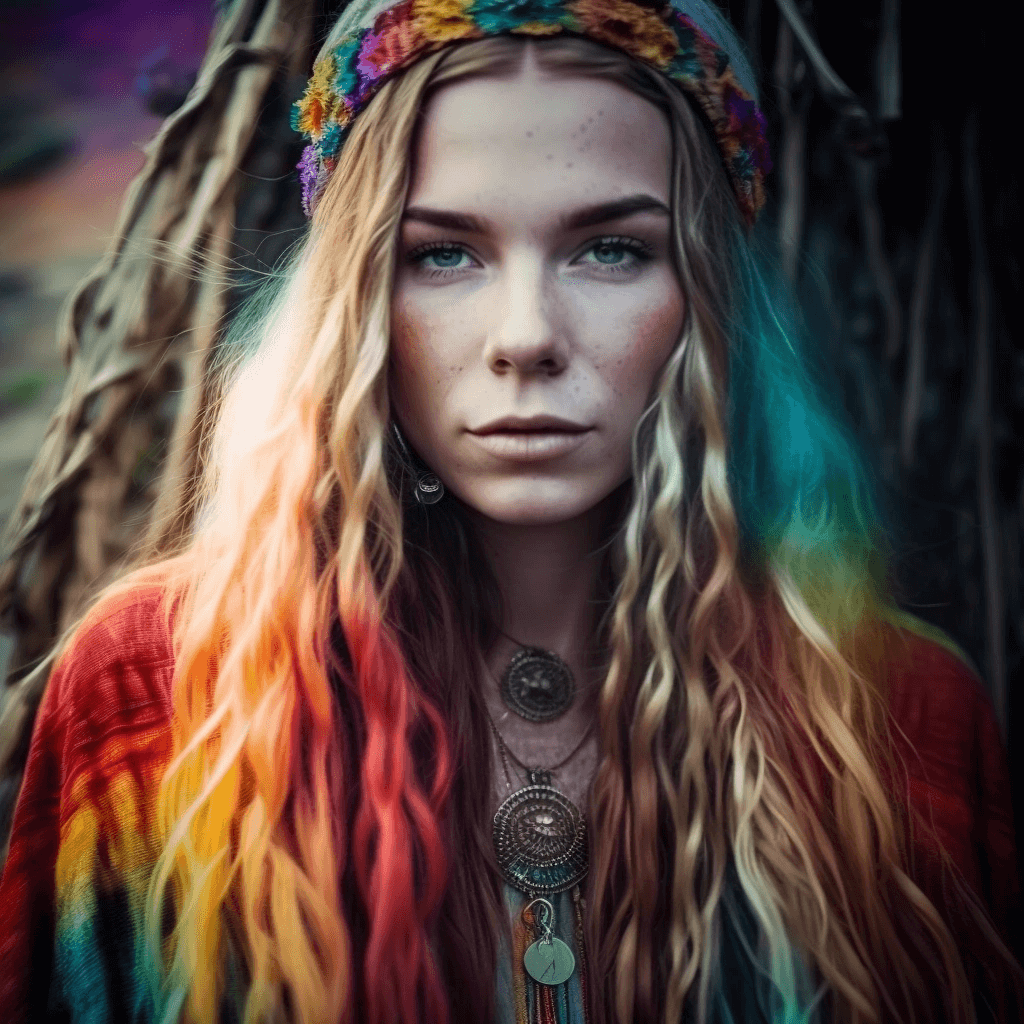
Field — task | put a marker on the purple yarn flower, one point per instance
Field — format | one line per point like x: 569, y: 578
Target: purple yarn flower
x: 308, y: 168
x: 371, y: 64
x: 747, y: 124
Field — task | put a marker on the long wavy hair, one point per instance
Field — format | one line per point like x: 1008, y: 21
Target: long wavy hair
x: 324, y: 826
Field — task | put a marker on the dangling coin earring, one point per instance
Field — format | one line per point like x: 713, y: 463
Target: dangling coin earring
x: 428, y: 490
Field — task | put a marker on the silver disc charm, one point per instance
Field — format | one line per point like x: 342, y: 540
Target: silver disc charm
x: 540, y: 839
x: 549, y: 961
x: 537, y: 685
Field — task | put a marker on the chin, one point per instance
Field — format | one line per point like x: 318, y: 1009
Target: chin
x: 530, y: 503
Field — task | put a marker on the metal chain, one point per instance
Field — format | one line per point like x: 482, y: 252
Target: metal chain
x: 501, y: 750
x: 504, y: 747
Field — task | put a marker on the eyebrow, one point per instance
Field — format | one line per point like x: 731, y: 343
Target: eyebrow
x: 585, y: 217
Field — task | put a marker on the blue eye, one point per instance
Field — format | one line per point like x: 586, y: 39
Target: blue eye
x: 615, y: 254
x: 620, y: 254
x: 445, y: 258
x: 609, y: 254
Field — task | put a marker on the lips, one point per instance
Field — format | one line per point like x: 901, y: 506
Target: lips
x: 530, y: 439
x: 530, y: 425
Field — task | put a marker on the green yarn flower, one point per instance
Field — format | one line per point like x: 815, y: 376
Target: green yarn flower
x: 346, y: 55
x: 685, y: 64
x: 497, y: 16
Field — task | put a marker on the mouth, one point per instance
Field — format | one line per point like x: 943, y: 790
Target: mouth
x: 534, y: 443
x: 520, y: 425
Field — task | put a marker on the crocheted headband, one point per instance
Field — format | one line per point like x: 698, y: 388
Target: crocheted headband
x: 374, y: 40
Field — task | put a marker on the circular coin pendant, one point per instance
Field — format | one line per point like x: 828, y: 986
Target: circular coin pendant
x: 540, y: 839
x: 537, y: 685
x: 549, y: 961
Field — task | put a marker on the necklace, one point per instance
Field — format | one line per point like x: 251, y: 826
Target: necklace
x: 540, y: 835
x: 537, y: 685
x: 540, y: 839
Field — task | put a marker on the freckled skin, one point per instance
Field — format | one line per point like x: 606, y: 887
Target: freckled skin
x: 527, y: 317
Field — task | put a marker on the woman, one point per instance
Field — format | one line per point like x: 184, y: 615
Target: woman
x: 532, y: 658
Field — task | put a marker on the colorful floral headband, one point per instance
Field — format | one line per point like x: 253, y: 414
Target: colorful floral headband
x: 377, y: 41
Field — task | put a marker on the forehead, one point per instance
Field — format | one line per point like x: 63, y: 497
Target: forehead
x: 541, y: 139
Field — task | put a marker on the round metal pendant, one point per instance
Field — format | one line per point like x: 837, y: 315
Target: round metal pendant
x: 540, y: 839
x: 537, y: 685
x: 549, y: 961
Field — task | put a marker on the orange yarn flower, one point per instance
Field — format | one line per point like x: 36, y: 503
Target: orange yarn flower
x: 317, y: 104
x: 626, y: 26
x: 445, y: 21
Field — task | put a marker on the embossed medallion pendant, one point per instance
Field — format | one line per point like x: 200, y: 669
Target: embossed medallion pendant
x: 537, y: 685
x: 540, y: 839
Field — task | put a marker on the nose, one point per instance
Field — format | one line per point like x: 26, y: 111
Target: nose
x: 525, y: 335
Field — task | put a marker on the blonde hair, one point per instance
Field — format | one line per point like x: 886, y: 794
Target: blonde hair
x: 742, y: 726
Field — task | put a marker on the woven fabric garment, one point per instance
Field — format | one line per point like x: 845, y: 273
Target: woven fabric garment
x: 82, y: 848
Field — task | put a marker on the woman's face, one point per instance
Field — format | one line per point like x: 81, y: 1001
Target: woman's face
x: 534, y: 285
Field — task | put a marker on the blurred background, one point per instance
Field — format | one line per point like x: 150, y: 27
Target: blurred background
x: 83, y: 86
x: 895, y: 213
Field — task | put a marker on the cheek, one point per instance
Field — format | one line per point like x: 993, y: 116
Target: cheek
x: 407, y: 359
x: 427, y: 356
x: 413, y: 353
x: 645, y: 338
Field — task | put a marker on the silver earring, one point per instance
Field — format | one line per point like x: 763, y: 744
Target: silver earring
x: 428, y: 490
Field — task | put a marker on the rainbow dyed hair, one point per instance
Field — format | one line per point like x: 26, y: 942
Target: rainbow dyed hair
x: 325, y: 813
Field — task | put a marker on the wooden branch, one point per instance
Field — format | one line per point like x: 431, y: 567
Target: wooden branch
x: 913, y: 392
x: 859, y: 128
x: 991, y: 546
x: 752, y: 34
x: 888, y: 69
x: 864, y: 175
x: 789, y: 74
x: 171, y: 521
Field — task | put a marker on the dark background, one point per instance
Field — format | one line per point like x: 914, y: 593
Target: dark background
x: 895, y: 210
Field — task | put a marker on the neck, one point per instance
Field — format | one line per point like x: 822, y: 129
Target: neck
x: 548, y: 578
